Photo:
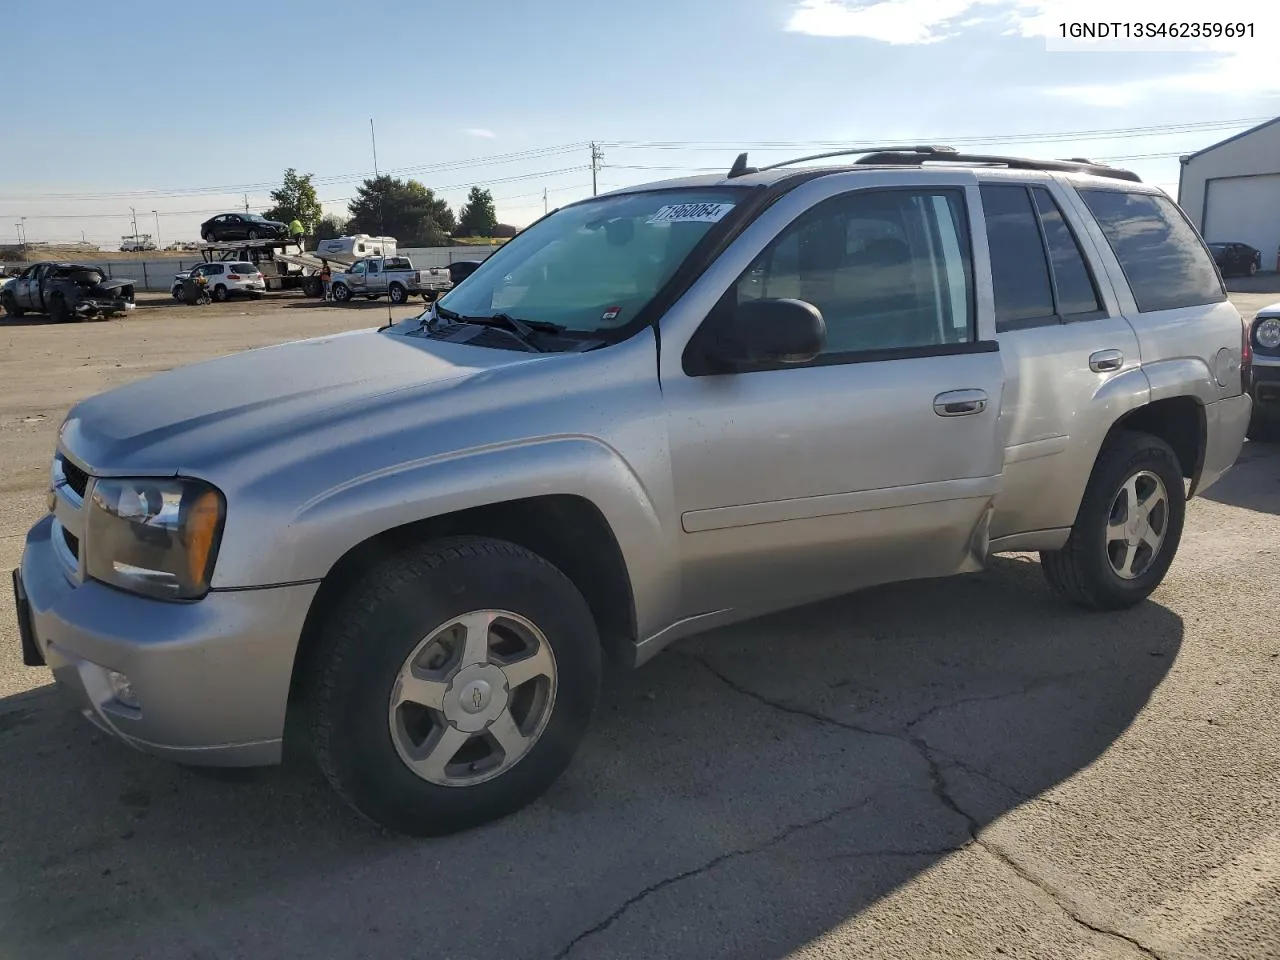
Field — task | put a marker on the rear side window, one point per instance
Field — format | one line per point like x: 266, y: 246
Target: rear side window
x: 1019, y: 270
x: 1072, y: 281
x: 1163, y: 259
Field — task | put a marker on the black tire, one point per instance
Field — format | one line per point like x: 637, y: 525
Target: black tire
x: 312, y: 287
x: 220, y: 293
x: 58, y: 311
x: 397, y: 293
x: 341, y: 292
x: 377, y: 626
x: 10, y: 308
x: 1263, y: 427
x: 253, y: 234
x: 208, y: 237
x: 371, y: 296
x: 1082, y: 570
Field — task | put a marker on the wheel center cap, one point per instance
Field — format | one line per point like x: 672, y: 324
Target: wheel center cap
x: 476, y: 697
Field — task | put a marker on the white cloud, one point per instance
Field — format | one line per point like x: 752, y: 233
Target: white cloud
x: 479, y: 132
x: 889, y: 21
x: 1229, y: 66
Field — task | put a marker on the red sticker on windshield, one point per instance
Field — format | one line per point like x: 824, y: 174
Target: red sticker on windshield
x: 611, y: 313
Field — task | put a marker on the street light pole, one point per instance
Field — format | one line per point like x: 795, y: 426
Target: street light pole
x: 157, y: 229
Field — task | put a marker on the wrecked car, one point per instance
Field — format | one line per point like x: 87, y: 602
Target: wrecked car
x: 66, y: 291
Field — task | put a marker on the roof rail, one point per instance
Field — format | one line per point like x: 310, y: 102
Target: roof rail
x: 913, y: 155
x: 740, y: 168
x: 1076, y: 165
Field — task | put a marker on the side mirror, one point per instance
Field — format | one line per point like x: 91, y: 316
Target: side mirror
x: 771, y: 331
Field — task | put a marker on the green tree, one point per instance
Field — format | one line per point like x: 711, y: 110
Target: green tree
x: 477, y: 218
x: 330, y: 227
x: 296, y: 199
x: 403, y: 209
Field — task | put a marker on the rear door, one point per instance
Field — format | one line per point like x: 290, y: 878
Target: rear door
x: 879, y: 459
x: 1062, y: 341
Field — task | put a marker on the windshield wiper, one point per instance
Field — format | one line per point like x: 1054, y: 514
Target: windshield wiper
x: 522, y: 329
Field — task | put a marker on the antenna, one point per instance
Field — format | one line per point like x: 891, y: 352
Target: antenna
x: 740, y: 168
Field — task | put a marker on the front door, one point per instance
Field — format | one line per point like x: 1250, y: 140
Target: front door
x: 355, y: 279
x: 25, y: 293
x: 879, y: 459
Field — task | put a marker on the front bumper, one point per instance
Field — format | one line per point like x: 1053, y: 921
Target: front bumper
x: 1264, y: 385
x: 211, y: 679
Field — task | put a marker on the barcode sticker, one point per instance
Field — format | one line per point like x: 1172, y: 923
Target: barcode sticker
x: 691, y: 213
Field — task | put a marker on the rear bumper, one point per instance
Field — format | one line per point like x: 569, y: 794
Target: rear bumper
x: 211, y: 679
x: 1226, y: 422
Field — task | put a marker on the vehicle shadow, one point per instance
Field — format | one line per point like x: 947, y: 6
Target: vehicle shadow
x: 739, y: 796
x: 1254, y: 482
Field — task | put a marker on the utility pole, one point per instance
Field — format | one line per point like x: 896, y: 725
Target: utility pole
x: 373, y: 138
x: 157, y: 229
x: 246, y: 203
x: 544, y: 201
x: 135, y: 225
x: 597, y: 155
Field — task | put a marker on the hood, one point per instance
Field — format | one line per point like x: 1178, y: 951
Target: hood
x: 221, y: 409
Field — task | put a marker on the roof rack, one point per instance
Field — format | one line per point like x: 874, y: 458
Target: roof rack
x: 915, y: 155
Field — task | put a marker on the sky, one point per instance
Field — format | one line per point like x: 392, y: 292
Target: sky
x: 184, y: 111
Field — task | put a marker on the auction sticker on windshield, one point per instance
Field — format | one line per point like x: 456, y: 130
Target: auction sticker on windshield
x: 691, y: 213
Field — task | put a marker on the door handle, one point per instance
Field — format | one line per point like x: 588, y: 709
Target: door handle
x: 1105, y: 361
x: 960, y: 403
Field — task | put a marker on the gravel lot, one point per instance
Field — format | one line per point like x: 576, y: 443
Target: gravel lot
x: 965, y: 768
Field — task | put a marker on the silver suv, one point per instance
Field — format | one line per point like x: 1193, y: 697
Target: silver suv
x: 653, y: 412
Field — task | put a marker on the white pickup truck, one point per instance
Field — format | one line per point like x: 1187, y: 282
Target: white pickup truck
x: 393, y: 277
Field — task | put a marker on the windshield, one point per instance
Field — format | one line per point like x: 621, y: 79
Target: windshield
x: 1218, y: 247
x: 256, y: 219
x: 595, y: 265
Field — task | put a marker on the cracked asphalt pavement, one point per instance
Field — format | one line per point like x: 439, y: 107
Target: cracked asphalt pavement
x: 949, y: 769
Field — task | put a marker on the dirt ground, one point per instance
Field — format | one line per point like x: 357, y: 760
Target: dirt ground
x: 957, y: 769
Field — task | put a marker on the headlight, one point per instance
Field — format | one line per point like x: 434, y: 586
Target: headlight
x: 154, y: 536
x: 1267, y: 333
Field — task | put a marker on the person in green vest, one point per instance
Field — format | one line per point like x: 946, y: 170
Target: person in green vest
x: 296, y: 232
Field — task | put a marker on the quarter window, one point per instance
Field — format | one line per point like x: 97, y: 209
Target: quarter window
x: 1163, y: 259
x: 889, y: 270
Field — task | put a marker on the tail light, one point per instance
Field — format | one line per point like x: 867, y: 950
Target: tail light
x: 233, y: 276
x: 1246, y: 356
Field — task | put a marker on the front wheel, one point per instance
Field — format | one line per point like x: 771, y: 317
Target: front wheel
x: 398, y: 294
x: 11, y: 308
x: 1253, y: 268
x: 453, y: 686
x: 253, y: 234
x: 341, y: 292
x: 1127, y: 529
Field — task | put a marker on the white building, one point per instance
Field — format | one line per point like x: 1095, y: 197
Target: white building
x: 1231, y: 190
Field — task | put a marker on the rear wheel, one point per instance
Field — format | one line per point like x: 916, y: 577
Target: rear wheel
x: 253, y: 234
x: 1127, y: 529
x: 10, y: 308
x: 58, y: 310
x: 1253, y: 267
x: 220, y: 293
x: 453, y: 686
x: 208, y: 237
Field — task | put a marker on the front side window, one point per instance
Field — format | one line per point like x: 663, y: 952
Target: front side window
x: 594, y: 266
x: 1163, y: 259
x: 888, y: 269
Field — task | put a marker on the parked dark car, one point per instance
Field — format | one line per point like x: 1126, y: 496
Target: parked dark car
x: 459, y: 270
x: 66, y: 291
x: 243, y: 226
x: 1236, y: 259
